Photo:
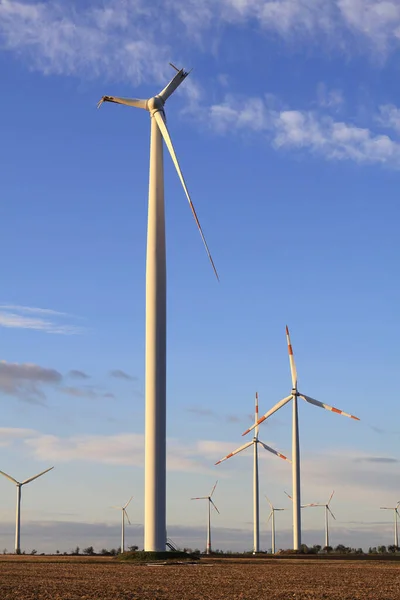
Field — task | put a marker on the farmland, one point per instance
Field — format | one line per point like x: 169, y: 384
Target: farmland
x: 82, y: 578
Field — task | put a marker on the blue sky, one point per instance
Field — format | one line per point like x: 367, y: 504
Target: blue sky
x: 287, y: 131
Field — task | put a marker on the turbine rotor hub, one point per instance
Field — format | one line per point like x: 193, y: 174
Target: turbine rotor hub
x: 154, y: 104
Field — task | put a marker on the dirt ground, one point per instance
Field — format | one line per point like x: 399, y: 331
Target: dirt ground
x: 57, y: 579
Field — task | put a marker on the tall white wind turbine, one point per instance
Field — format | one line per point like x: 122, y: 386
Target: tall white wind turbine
x: 272, y: 517
x: 18, y: 509
x: 155, y: 426
x: 327, y: 511
x: 295, y: 439
x: 124, y: 516
x: 395, y: 510
x: 254, y: 442
x: 210, y: 501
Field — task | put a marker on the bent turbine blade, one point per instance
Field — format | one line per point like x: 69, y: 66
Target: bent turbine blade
x: 135, y: 102
x: 293, y: 370
x: 173, y: 84
x: 235, y: 452
x: 273, y: 451
x: 160, y: 119
x: 9, y: 477
x: 36, y: 476
x: 270, y: 412
x: 327, y: 407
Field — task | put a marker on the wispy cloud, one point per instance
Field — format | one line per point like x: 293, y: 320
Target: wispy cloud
x: 379, y: 459
x: 314, y: 132
x: 76, y: 374
x: 26, y: 381
x: 45, y: 319
x: 118, y: 374
x: 85, y: 392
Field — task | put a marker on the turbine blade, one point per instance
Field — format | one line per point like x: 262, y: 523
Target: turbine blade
x: 329, y: 501
x: 256, y: 415
x: 214, y: 506
x: 307, y: 505
x: 159, y: 117
x: 269, y: 502
x: 126, y: 515
x: 288, y: 495
x: 273, y: 451
x: 331, y: 512
x: 270, y: 412
x: 293, y: 370
x: 36, y: 476
x: 235, y: 452
x: 173, y: 84
x: 200, y: 498
x: 327, y: 407
x: 9, y: 477
x: 135, y: 102
x: 386, y: 508
x: 212, y: 491
x: 270, y: 515
x: 125, y: 505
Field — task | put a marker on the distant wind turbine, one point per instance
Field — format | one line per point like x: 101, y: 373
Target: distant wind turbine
x: 124, y: 516
x: 395, y: 509
x: 255, y: 441
x: 272, y: 517
x: 210, y: 501
x: 295, y: 439
x: 18, y: 509
x: 327, y: 511
x: 155, y: 379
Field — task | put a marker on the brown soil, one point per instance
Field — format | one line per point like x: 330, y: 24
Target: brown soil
x: 40, y: 578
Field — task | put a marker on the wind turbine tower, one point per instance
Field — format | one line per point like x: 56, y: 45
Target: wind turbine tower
x: 124, y: 516
x: 155, y: 395
x: 294, y: 395
x: 395, y: 510
x: 255, y: 441
x: 327, y: 511
x: 210, y: 501
x: 18, y: 509
x: 272, y: 517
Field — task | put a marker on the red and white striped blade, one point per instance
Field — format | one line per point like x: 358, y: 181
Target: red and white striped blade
x: 273, y: 451
x: 293, y: 370
x: 125, y: 505
x: 256, y: 412
x: 212, y: 491
x: 269, y: 413
x: 235, y: 452
x: 289, y: 496
x: 160, y: 119
x: 327, y: 407
x: 331, y: 496
x: 200, y: 498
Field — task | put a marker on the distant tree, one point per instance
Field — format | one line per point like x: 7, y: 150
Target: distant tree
x: 359, y: 551
x: 317, y: 548
x: 382, y: 549
x: 76, y: 551
x: 34, y: 552
x: 327, y: 549
x: 57, y: 552
x: 372, y: 550
x: 392, y: 549
x: 114, y: 552
x: 5, y: 551
x: 89, y: 551
x: 105, y: 552
x: 133, y: 548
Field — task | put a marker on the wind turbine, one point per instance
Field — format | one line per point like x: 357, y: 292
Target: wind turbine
x: 124, y: 515
x: 272, y: 517
x: 210, y: 501
x: 327, y: 511
x: 396, y: 514
x: 155, y: 426
x: 18, y: 509
x: 254, y: 442
x: 295, y: 439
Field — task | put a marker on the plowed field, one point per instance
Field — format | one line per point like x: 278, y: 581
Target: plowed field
x: 40, y: 579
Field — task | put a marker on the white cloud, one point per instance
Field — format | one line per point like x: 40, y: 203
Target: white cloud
x: 315, y: 132
x: 46, y: 320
